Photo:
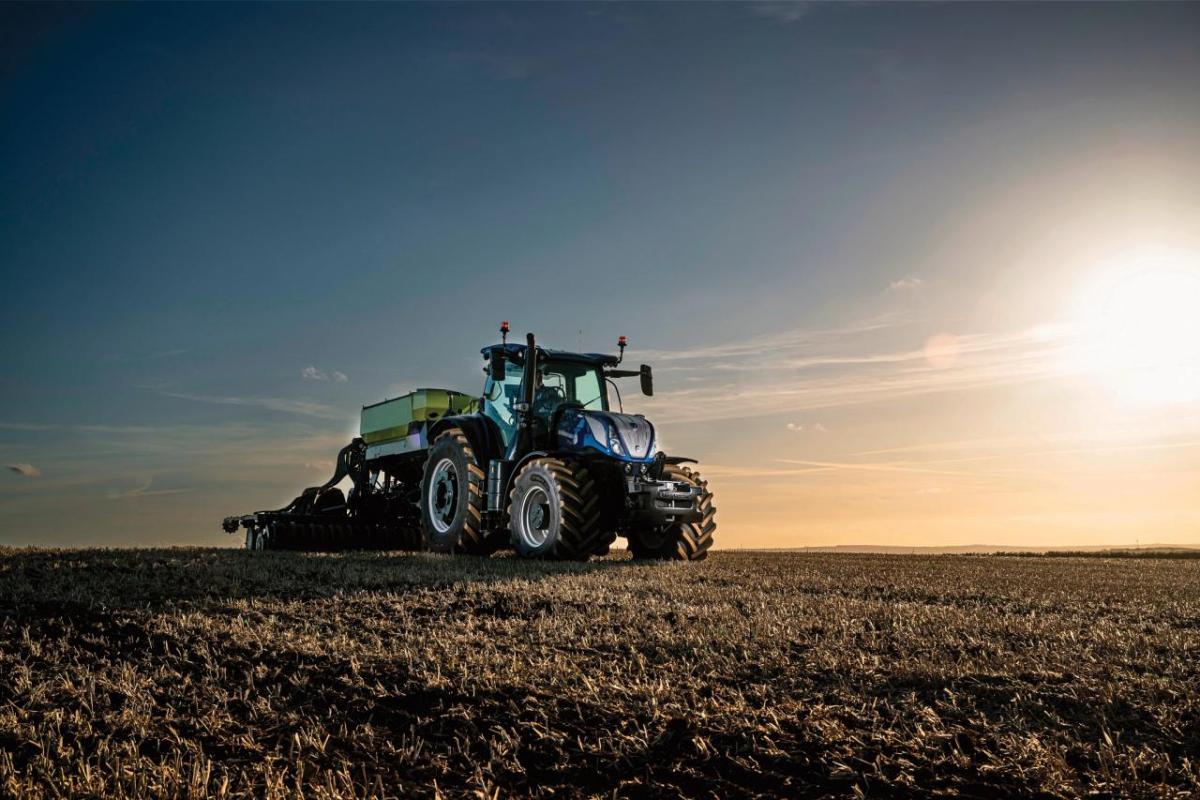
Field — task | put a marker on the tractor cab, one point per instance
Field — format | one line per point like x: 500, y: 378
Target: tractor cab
x: 566, y: 410
x: 562, y: 381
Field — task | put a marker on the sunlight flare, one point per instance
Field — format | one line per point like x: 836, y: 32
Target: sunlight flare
x: 1138, y: 327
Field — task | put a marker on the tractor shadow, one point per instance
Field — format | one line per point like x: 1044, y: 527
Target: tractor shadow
x: 40, y: 582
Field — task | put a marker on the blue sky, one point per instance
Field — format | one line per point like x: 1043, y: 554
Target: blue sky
x: 202, y: 202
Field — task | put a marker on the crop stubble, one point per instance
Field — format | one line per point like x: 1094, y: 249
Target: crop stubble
x: 226, y: 673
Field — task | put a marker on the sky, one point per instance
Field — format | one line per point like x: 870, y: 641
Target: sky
x: 907, y: 274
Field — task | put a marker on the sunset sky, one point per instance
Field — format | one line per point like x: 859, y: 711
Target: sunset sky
x: 907, y: 274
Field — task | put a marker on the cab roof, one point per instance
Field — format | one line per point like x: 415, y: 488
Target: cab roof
x: 516, y: 352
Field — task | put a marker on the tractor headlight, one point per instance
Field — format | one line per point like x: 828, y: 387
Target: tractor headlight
x: 614, y: 442
x: 605, y: 435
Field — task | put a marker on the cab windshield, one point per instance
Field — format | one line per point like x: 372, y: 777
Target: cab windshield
x: 563, y: 381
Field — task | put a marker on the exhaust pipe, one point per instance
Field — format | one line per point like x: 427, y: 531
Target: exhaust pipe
x: 523, y: 442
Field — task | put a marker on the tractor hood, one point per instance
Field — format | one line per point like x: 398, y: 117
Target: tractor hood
x: 627, y: 437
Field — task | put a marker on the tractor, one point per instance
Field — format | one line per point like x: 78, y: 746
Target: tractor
x: 539, y: 463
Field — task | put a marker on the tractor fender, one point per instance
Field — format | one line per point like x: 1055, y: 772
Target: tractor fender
x: 482, y: 432
x: 661, y: 460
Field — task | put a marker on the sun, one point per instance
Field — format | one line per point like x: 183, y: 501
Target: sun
x: 1138, y: 328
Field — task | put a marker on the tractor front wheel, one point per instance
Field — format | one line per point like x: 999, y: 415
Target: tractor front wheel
x: 682, y: 541
x: 554, y: 511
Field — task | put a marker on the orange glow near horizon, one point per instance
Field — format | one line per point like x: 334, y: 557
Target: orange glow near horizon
x: 1083, y: 429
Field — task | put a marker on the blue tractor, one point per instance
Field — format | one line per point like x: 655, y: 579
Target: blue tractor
x: 540, y: 463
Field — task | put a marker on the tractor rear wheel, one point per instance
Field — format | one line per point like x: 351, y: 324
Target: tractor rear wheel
x: 452, y: 501
x: 554, y: 511
x: 682, y: 541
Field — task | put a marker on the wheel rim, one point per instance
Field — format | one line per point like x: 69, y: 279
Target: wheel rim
x: 534, y: 528
x: 443, y: 495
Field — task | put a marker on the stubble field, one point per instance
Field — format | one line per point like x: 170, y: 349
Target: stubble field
x: 225, y: 673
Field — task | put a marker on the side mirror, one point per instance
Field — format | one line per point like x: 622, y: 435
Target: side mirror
x: 647, y: 381
x: 497, y: 366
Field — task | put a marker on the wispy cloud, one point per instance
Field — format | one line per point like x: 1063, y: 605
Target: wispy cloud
x: 793, y: 340
x: 906, y: 283
x: 884, y: 466
x: 158, y: 356
x: 130, y: 430
x: 803, y: 370
x: 782, y: 12
x: 1165, y: 432
x: 311, y: 373
x: 25, y: 469
x: 1027, y: 447
x: 285, y: 405
x: 143, y: 490
x: 222, y: 457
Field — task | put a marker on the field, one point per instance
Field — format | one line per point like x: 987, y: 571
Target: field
x: 225, y: 673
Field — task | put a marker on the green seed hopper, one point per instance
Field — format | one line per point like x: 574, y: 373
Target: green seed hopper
x: 399, y: 425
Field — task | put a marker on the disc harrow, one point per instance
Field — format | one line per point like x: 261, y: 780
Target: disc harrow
x: 315, y: 534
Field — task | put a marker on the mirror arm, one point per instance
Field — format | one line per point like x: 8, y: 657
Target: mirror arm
x: 620, y: 403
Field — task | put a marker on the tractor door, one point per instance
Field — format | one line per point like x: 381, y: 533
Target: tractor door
x: 500, y: 399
